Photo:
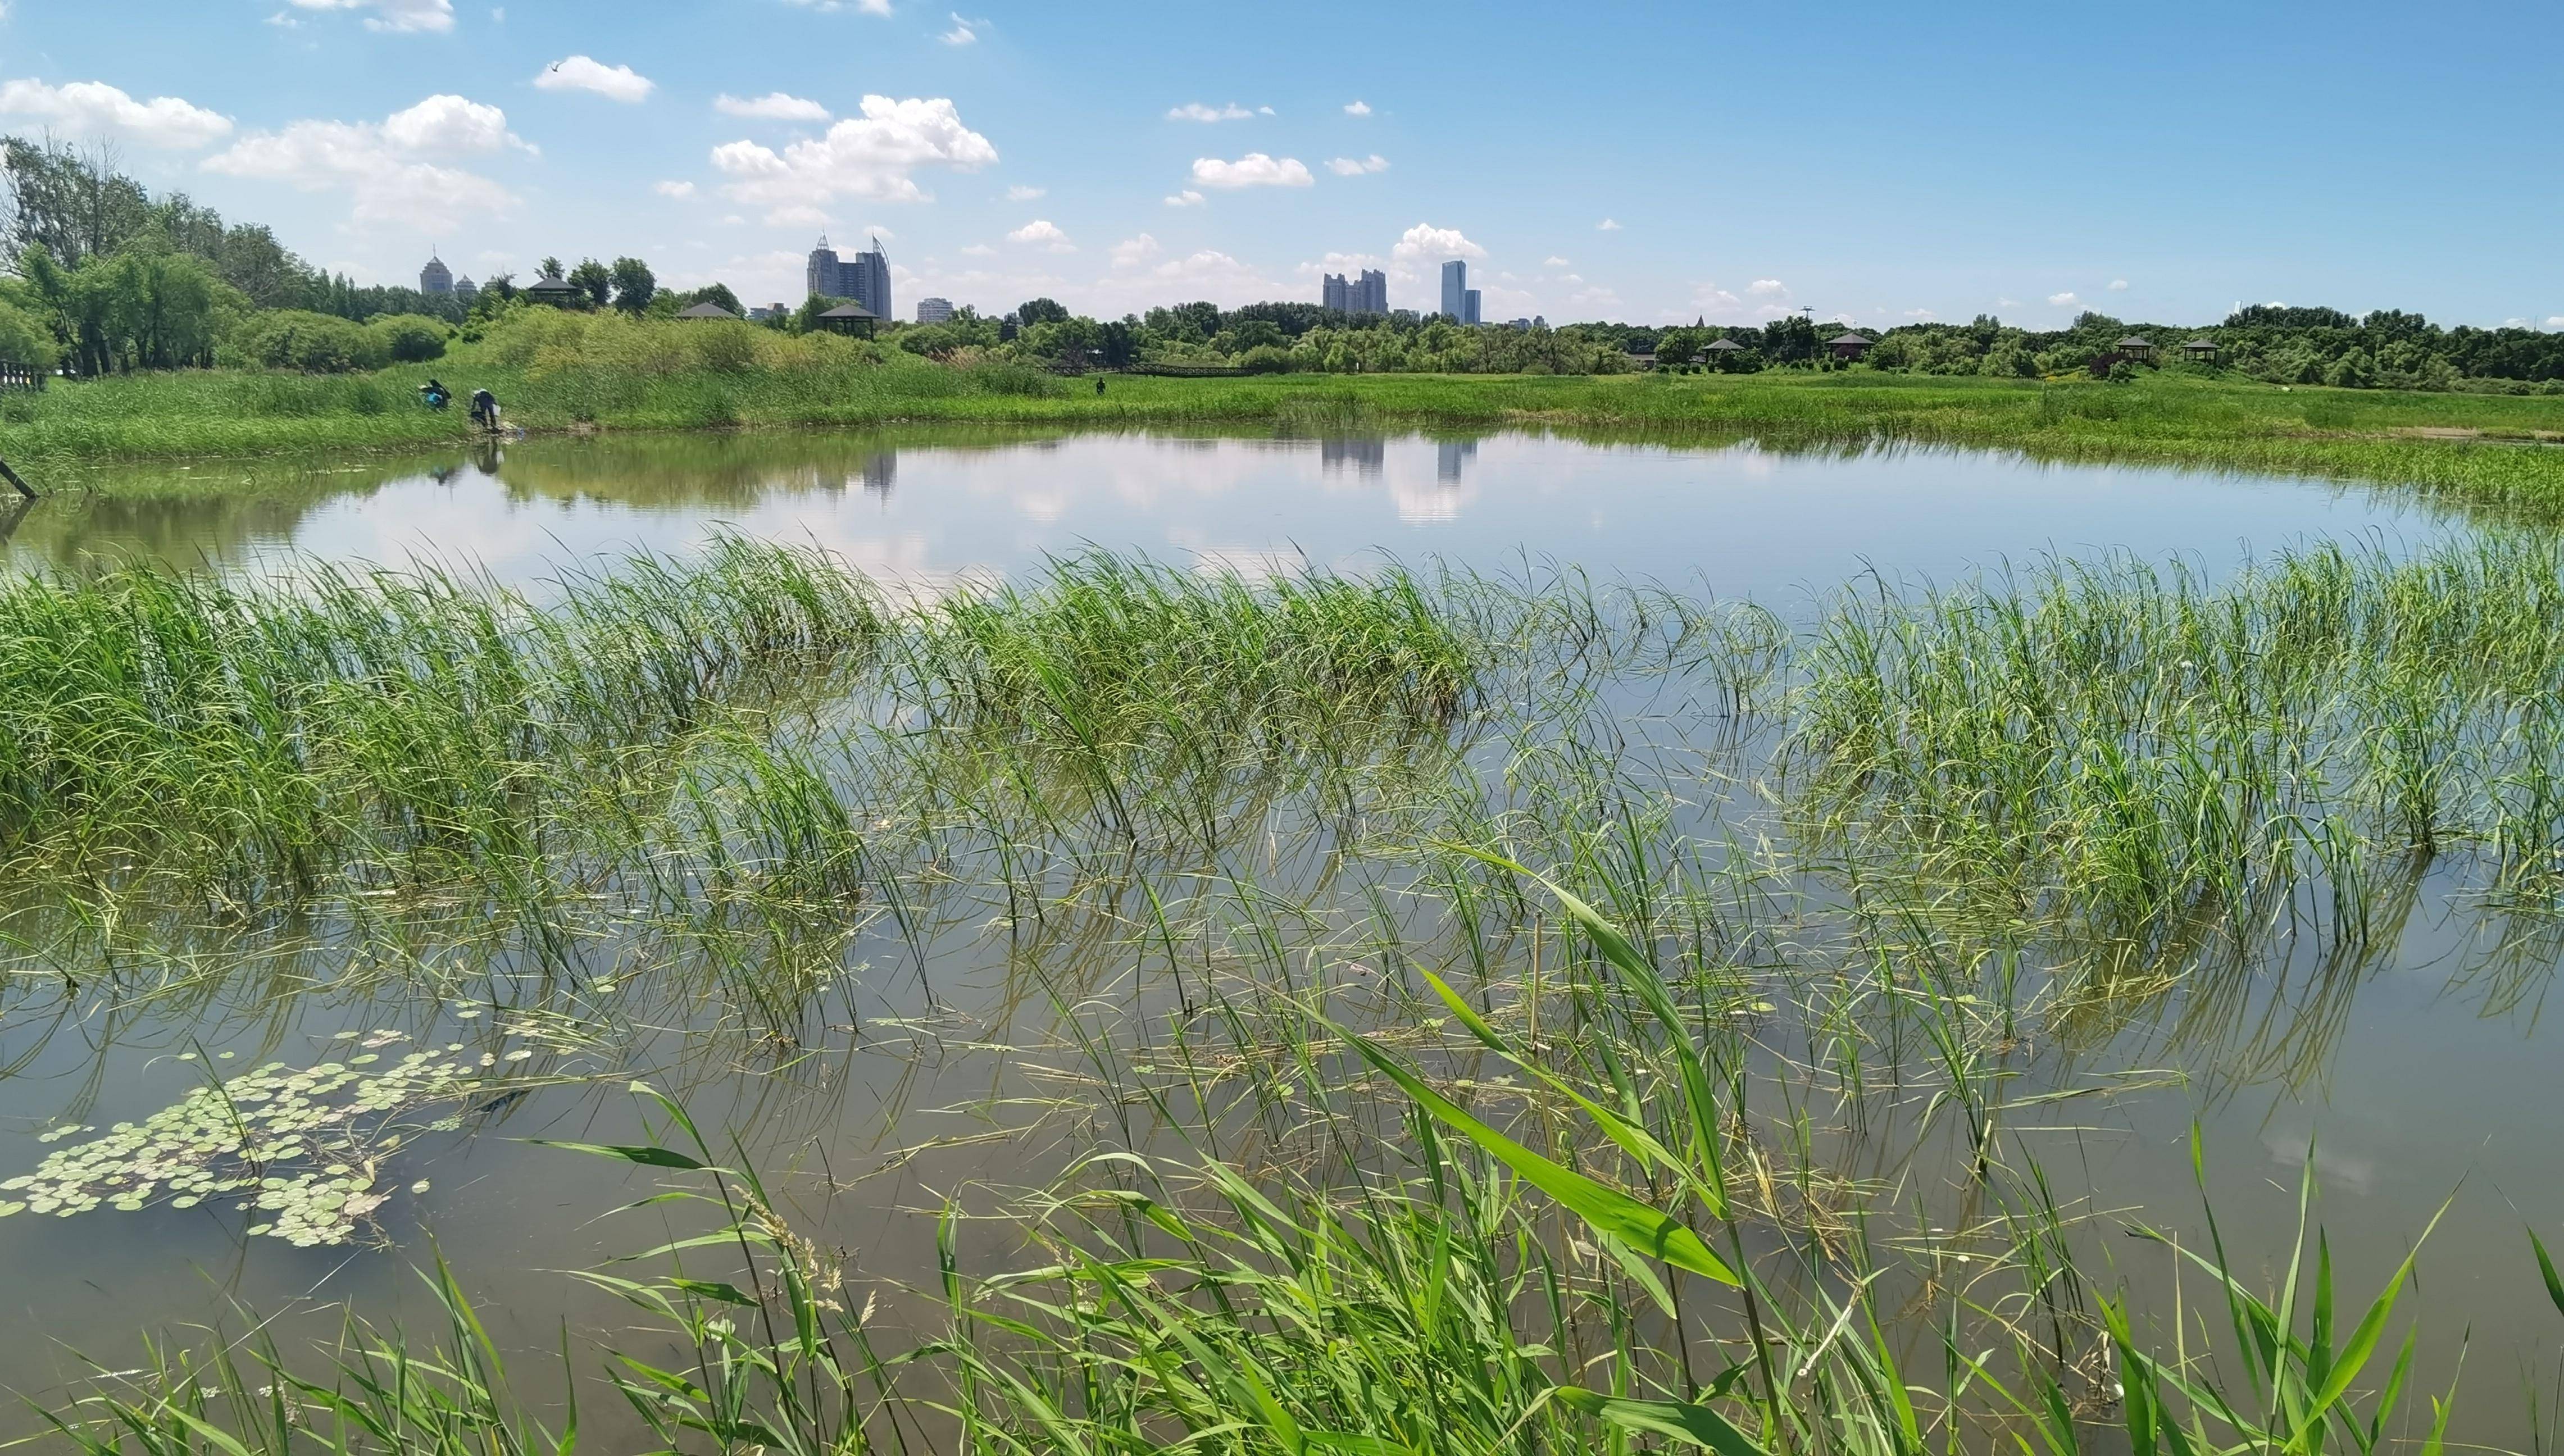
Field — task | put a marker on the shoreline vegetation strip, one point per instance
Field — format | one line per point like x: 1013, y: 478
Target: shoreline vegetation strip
x: 2481, y: 449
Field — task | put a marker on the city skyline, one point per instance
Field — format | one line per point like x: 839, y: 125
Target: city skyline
x: 986, y: 156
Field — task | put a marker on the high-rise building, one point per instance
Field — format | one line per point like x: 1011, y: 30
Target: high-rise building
x: 1367, y: 293
x: 1455, y: 290
x: 823, y: 271
x: 933, y: 310
x: 435, y: 280
x: 872, y: 280
x: 864, y: 278
x: 467, y: 290
x: 1469, y: 307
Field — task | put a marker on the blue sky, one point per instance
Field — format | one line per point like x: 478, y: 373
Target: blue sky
x: 1645, y: 162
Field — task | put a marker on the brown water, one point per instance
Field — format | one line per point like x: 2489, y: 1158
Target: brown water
x: 886, y: 1098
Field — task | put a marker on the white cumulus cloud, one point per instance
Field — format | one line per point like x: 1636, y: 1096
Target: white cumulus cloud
x: 93, y: 108
x: 1768, y: 287
x: 1430, y: 243
x: 1021, y: 194
x: 1357, y: 108
x: 964, y: 31
x: 1350, y: 166
x: 1608, y: 225
x: 584, y: 73
x: 2062, y: 299
x: 1044, y: 232
x: 861, y: 7
x: 1553, y: 261
x: 385, y: 165
x: 873, y: 156
x: 774, y: 105
x: 1254, y: 169
x: 451, y: 123
x: 1186, y: 198
x: 2118, y: 285
x: 393, y: 15
x: 678, y: 190
x: 1196, y: 111
x: 1131, y: 251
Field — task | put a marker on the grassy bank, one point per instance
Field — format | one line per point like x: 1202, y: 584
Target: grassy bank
x: 2479, y: 448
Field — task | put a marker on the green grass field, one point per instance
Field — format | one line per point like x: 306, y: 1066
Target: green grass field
x: 2487, y: 450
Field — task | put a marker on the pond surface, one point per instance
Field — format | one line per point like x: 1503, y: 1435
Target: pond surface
x: 934, y: 504
x: 885, y: 1087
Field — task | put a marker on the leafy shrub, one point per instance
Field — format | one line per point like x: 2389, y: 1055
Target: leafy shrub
x: 315, y: 343
x: 409, y: 338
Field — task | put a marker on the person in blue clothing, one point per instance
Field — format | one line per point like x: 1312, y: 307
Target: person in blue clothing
x: 435, y: 393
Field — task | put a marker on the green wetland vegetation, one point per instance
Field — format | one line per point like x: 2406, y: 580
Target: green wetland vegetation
x: 575, y: 372
x: 1414, y: 1010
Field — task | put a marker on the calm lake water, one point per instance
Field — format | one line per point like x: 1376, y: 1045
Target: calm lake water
x: 932, y: 505
x: 888, y: 1118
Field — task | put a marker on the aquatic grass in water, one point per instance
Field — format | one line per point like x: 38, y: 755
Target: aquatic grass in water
x: 2121, y: 743
x: 1377, y: 1145
x: 1448, y: 1290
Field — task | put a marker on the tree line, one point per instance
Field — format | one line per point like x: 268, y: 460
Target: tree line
x: 97, y: 275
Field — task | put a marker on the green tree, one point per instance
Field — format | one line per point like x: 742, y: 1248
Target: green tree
x: 713, y: 293
x: 1040, y: 310
x: 549, y: 268
x: 593, y: 278
x: 634, y: 284
x: 25, y: 339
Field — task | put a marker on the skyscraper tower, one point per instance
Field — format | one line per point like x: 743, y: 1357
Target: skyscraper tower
x: 1455, y: 290
x: 823, y: 269
x: 435, y: 278
x: 869, y: 280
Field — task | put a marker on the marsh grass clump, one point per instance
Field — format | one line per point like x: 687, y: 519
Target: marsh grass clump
x: 2127, y: 745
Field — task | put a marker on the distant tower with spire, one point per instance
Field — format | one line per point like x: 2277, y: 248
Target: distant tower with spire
x: 435, y: 280
x: 864, y: 278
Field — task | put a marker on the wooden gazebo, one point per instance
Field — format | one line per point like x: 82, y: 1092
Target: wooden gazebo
x: 850, y: 318
x: 2201, y: 350
x: 557, y: 291
x: 706, y: 309
x: 1849, y: 346
x: 1721, y: 346
x: 2140, y: 350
